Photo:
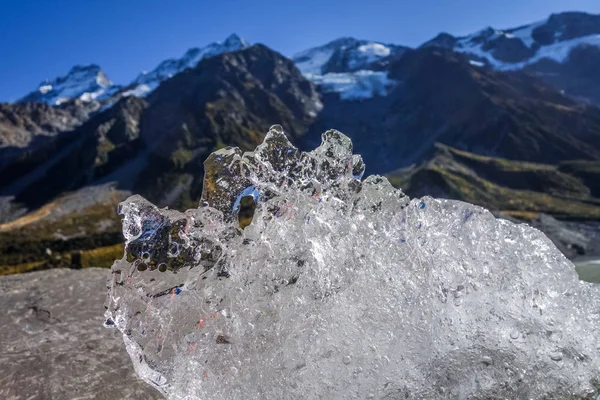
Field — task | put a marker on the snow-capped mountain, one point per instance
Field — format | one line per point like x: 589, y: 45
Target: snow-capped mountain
x: 349, y: 66
x: 89, y: 82
x: 86, y: 82
x: 146, y: 82
x: 358, y: 69
x: 344, y: 55
x: 512, y: 49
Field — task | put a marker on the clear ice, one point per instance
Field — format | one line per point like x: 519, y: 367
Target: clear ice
x: 343, y: 288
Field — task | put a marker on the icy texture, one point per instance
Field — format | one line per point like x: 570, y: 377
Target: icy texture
x: 345, y: 289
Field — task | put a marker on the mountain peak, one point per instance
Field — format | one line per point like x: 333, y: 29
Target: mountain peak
x: 345, y: 54
x: 84, y: 82
x: 148, y: 81
x: 234, y: 40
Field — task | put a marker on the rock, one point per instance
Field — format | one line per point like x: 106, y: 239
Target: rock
x: 53, y: 344
x: 570, y: 242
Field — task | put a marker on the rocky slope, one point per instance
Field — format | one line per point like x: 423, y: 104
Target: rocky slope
x: 22, y: 125
x: 513, y: 187
x: 438, y: 96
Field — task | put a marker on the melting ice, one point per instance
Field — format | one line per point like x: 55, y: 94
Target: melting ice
x: 343, y: 288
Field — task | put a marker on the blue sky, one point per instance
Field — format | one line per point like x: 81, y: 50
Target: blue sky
x: 41, y: 39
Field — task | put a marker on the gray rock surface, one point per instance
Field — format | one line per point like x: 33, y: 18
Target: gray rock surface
x: 52, y: 342
x: 569, y: 240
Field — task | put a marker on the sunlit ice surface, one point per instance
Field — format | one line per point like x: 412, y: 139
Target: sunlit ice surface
x: 344, y: 288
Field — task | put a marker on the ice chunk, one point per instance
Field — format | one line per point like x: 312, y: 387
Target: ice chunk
x: 345, y: 289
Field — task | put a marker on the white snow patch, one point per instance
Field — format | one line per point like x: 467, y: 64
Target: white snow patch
x: 61, y: 100
x: 313, y: 60
x: 82, y: 82
x: 139, y: 91
x: 45, y: 89
x: 362, y: 84
x: 558, y: 52
x: 374, y: 50
x: 169, y: 68
x: 367, y: 54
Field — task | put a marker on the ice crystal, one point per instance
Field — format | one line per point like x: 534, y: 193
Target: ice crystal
x: 343, y: 288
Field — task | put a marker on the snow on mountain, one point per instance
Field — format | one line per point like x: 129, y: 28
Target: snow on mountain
x: 345, y: 66
x: 525, y: 33
x: 344, y: 55
x: 368, y: 54
x: 513, y: 49
x: 558, y: 52
x: 146, y: 82
x: 82, y: 82
x: 356, y: 85
x: 312, y: 61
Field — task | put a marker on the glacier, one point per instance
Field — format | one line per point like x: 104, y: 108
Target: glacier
x: 344, y: 288
x: 344, y: 65
x: 357, y: 85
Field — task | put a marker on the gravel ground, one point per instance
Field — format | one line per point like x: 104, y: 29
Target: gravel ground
x: 52, y: 342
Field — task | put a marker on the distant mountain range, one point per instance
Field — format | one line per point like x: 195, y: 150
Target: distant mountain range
x: 542, y: 48
x: 89, y: 82
x: 450, y: 118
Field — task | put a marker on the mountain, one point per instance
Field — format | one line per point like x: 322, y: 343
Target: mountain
x: 156, y: 146
x: 86, y: 83
x: 563, y: 50
x: 344, y: 55
x: 148, y: 81
x: 28, y: 127
x: 437, y: 95
x: 516, y: 48
x: 349, y: 66
x: 21, y: 122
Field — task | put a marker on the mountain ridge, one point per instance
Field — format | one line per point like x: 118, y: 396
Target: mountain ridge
x: 229, y: 99
x: 347, y: 63
x: 89, y: 82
